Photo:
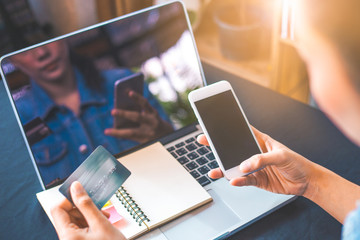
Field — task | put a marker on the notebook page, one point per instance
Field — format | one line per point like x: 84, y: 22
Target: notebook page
x: 127, y: 225
x: 49, y: 199
x: 161, y: 187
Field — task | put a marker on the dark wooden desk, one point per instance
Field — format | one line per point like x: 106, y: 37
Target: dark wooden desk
x: 302, y: 128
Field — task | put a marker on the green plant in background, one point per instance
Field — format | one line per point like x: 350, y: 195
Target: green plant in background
x: 179, y: 111
x: 150, y: 79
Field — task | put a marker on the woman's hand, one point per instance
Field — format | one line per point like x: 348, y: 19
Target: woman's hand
x: 151, y: 125
x: 83, y: 222
x: 284, y: 171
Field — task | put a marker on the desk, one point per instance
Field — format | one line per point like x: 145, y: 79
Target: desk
x: 302, y: 128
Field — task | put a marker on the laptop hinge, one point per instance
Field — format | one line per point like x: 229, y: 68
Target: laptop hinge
x: 164, y: 140
x: 178, y: 134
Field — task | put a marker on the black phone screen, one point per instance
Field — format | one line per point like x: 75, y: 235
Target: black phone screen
x: 134, y: 82
x: 227, y: 128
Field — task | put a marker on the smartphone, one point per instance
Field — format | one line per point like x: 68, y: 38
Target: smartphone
x: 122, y: 87
x: 225, y: 125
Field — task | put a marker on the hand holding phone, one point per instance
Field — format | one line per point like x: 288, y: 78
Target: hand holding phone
x: 123, y: 101
x: 225, y: 125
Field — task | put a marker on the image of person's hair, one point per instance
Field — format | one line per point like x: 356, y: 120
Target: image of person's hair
x: 338, y: 22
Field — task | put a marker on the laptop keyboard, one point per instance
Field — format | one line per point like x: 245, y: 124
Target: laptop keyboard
x: 195, y: 158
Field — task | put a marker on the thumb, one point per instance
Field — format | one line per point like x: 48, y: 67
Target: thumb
x: 259, y: 161
x: 202, y: 140
x: 86, y: 206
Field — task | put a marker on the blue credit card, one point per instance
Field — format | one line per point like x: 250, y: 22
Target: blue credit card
x: 100, y: 174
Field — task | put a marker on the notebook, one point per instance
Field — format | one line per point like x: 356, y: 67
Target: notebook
x: 158, y: 190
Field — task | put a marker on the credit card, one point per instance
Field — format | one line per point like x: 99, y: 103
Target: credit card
x: 100, y: 174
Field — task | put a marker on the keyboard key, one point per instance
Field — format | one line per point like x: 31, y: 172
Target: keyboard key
x: 183, y: 160
x: 213, y: 179
x: 200, y: 145
x: 203, y: 151
x: 213, y: 165
x: 180, y: 145
x: 195, y: 174
x: 181, y: 151
x: 190, y: 140
x: 191, y: 166
x: 203, y: 181
x: 210, y: 156
x: 171, y: 149
x: 174, y: 154
x: 191, y: 147
x: 192, y: 155
x: 203, y: 170
x: 201, y: 161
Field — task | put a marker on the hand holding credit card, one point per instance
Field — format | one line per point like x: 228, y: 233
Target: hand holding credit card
x: 100, y: 174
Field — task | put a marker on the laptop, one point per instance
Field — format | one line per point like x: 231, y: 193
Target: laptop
x: 63, y: 94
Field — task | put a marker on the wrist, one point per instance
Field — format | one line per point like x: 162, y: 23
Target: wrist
x: 334, y: 194
x: 315, y: 181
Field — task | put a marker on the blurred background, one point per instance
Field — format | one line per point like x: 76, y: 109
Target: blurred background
x: 252, y: 39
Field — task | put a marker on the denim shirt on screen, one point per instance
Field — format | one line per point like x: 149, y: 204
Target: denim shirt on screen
x: 74, y: 137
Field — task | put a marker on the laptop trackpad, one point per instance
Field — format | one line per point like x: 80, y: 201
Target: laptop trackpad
x: 207, y: 222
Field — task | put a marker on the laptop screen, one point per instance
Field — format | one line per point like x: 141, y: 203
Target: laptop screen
x: 117, y: 84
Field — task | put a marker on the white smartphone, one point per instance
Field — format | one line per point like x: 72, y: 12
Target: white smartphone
x: 225, y: 125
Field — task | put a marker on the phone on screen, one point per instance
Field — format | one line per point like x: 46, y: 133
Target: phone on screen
x: 122, y: 100
x: 225, y: 125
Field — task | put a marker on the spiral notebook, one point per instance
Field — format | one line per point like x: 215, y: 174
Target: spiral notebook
x: 158, y: 190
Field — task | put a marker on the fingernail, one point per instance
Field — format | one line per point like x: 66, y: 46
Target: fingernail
x: 201, y: 139
x: 76, y: 188
x: 245, y: 166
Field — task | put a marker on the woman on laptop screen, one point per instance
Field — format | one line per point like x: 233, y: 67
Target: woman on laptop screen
x: 118, y: 84
x: 76, y: 104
